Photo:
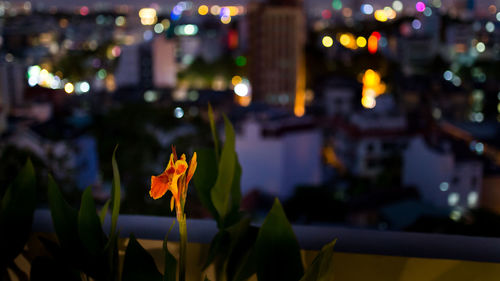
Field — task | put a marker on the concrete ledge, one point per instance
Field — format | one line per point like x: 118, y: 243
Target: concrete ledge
x: 405, y: 244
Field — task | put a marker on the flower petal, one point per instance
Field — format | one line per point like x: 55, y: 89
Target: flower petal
x: 174, y: 153
x: 192, y: 168
x: 181, y: 166
x: 159, y: 186
x: 172, y: 204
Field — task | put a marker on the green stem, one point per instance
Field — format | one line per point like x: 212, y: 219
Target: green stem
x: 183, y: 248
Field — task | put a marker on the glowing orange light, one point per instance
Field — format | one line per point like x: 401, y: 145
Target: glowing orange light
x: 371, y: 78
x: 243, y: 101
x: 236, y: 80
x: 372, y: 44
x: 299, y: 108
x: 347, y: 40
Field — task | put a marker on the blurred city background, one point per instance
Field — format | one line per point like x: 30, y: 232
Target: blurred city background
x: 362, y: 113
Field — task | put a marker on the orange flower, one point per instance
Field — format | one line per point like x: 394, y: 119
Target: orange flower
x: 175, y: 180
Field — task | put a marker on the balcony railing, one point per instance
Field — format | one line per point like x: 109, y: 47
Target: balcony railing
x: 371, y: 242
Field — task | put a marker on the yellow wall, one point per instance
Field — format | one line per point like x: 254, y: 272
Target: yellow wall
x: 348, y: 267
x: 363, y: 267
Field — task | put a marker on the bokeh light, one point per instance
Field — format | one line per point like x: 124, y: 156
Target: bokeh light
x: 236, y: 80
x: 241, y: 89
x: 367, y: 9
x: 203, y: 10
x: 327, y: 41
x: 337, y: 4
x: 148, y: 16
x: 368, y: 102
x: 84, y: 10
x: 361, y: 41
x: 380, y: 15
x: 69, y: 88
x: 420, y: 6
x: 480, y: 47
x: 397, y: 6
x: 416, y: 24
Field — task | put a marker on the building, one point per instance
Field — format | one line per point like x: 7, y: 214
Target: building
x: 164, y: 63
x: 148, y: 65
x: 12, y: 86
x: 127, y: 72
x: 441, y: 178
x: 366, y: 142
x: 339, y: 97
x: 276, y: 42
x: 278, y: 156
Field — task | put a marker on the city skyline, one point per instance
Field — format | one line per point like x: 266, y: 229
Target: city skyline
x: 309, y: 5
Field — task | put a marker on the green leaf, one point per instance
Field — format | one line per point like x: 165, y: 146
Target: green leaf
x: 170, y: 261
x: 321, y: 268
x: 205, y: 177
x: 111, y: 256
x: 139, y: 264
x: 89, y: 225
x: 214, y: 131
x: 219, y: 247
x: 221, y: 192
x: 104, y: 211
x: 64, y: 217
x: 16, y: 214
x: 277, y: 249
x: 241, y: 262
x: 247, y: 266
x: 236, y: 186
x: 206, y: 278
x: 116, y: 193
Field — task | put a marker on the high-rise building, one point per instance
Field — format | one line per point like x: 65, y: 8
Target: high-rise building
x: 149, y: 65
x: 276, y: 53
x: 164, y: 63
x: 12, y: 86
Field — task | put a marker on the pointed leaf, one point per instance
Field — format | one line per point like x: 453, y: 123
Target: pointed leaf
x: 214, y: 131
x: 16, y: 214
x: 219, y: 247
x: 241, y: 261
x: 104, y: 211
x: 221, y: 192
x: 236, y: 186
x: 64, y: 217
x: 321, y: 268
x: 170, y: 261
x: 277, y: 249
x: 247, y: 267
x: 139, y: 264
x: 116, y: 193
x: 204, y: 178
x: 111, y: 255
x: 89, y: 225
